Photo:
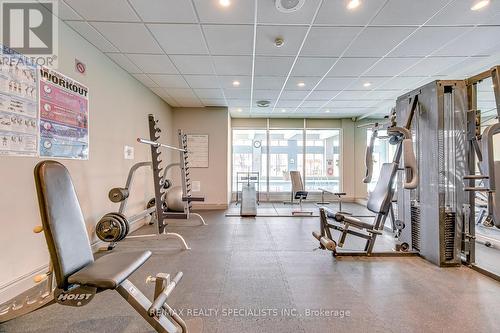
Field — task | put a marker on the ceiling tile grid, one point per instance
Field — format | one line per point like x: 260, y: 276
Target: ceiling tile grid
x: 333, y: 61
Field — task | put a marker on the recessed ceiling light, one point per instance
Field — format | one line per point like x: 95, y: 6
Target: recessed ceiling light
x: 224, y: 3
x: 236, y: 83
x: 283, y: 110
x: 367, y: 84
x: 353, y: 4
x: 327, y: 111
x: 301, y: 84
x: 238, y: 110
x: 480, y: 4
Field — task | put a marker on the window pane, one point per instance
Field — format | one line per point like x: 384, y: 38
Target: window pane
x: 322, y: 160
x: 284, y: 156
x: 250, y: 154
x: 383, y: 152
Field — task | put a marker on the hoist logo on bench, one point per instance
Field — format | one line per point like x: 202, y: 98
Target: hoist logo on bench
x: 75, y: 297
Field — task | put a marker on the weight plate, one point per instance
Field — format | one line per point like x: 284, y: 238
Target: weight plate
x: 120, y: 222
x: 108, y: 229
x: 124, y: 224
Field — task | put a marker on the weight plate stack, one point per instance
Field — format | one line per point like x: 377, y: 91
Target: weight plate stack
x: 109, y: 229
x: 124, y: 223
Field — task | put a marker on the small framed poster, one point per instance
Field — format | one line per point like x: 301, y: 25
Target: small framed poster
x: 198, y: 150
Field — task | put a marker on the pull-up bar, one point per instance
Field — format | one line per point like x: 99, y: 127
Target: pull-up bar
x: 157, y: 144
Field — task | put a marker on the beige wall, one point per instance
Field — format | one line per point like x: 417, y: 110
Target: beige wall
x: 213, y: 180
x: 118, y: 115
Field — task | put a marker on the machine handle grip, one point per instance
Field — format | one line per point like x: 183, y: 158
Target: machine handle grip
x: 410, y: 165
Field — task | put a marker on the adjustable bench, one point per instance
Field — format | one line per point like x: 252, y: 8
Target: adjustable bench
x: 78, y: 276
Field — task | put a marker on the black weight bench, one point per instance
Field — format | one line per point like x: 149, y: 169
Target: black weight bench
x: 78, y: 276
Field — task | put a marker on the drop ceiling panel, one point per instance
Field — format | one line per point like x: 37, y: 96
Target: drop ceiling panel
x: 377, y: 41
x: 293, y: 94
x: 323, y: 95
x: 335, y: 83
x: 65, y: 12
x: 189, y: 102
x: 179, y: 38
x: 312, y: 103
x: 277, y: 66
x: 153, y: 63
x: 238, y: 102
x: 109, y: 10
x: 269, y: 82
x: 233, y: 65
x: 229, y: 39
x: 124, y: 62
x: 146, y: 80
x: 399, y: 82
x: 213, y: 101
x: 310, y: 66
x: 181, y: 93
x: 427, y: 40
x: 328, y: 41
x: 267, y: 13
x: 92, y: 35
x: 165, y: 11
x: 236, y: 93
x: 292, y: 36
x: 265, y: 94
x: 353, y: 103
x: 374, y: 83
x: 283, y: 103
x: 479, y: 41
x: 294, y: 81
x: 352, y: 66
x: 459, y: 13
x: 226, y: 81
x: 239, y: 12
x: 382, y: 94
x: 193, y: 64
x: 334, y: 12
x: 169, y: 81
x: 209, y: 93
x: 433, y: 66
x: 202, y: 81
x: 408, y: 12
x: 392, y: 66
x: 129, y: 37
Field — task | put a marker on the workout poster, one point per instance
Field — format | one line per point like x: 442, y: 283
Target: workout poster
x: 18, y: 105
x: 64, y: 116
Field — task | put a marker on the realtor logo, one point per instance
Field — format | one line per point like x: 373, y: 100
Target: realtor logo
x: 30, y: 28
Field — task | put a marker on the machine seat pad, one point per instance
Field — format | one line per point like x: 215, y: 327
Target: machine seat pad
x: 109, y: 271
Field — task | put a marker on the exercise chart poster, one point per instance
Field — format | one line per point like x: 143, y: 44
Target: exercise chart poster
x: 18, y: 105
x: 64, y: 116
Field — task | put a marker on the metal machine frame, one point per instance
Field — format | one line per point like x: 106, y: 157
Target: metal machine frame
x: 475, y: 154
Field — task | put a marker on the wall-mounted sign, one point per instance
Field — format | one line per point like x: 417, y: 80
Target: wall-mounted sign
x: 64, y: 116
x: 80, y: 67
x: 198, y: 150
x: 18, y: 106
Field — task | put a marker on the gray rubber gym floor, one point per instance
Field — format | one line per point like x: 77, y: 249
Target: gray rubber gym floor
x: 267, y: 271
